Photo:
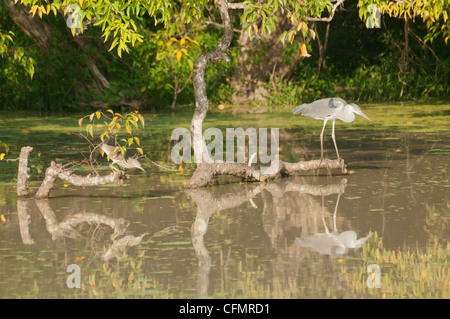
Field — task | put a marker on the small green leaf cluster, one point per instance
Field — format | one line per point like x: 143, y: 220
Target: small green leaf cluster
x: 6, y: 148
x: 117, y: 19
x: 434, y: 13
x: 121, y: 127
x: 7, y: 49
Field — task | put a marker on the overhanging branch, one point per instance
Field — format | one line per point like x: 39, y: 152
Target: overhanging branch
x: 329, y: 18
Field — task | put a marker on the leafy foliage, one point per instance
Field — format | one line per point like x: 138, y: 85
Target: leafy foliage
x: 434, y: 13
x: 4, y: 147
x: 120, y: 127
x: 116, y: 18
x: 168, y: 36
x: 17, y: 54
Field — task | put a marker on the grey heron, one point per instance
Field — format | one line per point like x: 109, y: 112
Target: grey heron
x: 118, y: 159
x: 330, y: 109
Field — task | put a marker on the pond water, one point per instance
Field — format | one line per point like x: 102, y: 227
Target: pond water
x: 306, y: 236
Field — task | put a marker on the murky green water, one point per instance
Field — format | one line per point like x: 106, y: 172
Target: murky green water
x: 309, y: 236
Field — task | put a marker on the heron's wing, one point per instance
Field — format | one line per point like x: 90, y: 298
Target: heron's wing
x: 323, y: 243
x: 321, y: 109
x: 106, y: 148
x: 313, y: 110
x: 300, y: 109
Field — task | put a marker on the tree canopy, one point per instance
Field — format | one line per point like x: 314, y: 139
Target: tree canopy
x: 171, y: 34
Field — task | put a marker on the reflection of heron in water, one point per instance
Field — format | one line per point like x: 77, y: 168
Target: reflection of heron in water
x: 121, y: 245
x: 332, y: 243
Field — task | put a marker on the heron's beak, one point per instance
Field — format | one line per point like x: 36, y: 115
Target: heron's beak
x: 139, y: 166
x: 365, y: 116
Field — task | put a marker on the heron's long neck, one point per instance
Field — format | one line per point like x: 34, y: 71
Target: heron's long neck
x: 349, y: 115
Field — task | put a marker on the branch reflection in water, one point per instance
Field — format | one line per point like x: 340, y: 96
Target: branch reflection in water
x: 286, y: 195
x: 292, y: 217
x: 67, y: 228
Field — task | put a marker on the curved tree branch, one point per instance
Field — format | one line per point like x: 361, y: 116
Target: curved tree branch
x: 214, y: 56
x: 58, y: 171
x: 207, y: 169
x: 330, y: 17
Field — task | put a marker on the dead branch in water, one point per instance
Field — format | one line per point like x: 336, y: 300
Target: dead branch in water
x: 205, y: 172
x: 58, y: 171
x: 24, y: 172
x: 207, y: 169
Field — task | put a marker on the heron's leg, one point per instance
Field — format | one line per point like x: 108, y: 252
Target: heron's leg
x: 321, y: 140
x: 115, y: 170
x: 335, y: 212
x: 323, y: 215
x: 334, y: 141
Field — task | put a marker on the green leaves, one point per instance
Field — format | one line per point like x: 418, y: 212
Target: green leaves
x: 175, y: 48
x: 118, y: 19
x: 117, y: 126
x: 261, y: 17
x: 8, y: 49
x: 434, y: 13
x: 6, y: 150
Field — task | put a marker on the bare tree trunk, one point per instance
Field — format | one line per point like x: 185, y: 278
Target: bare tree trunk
x: 207, y: 168
x: 38, y: 30
x: 404, y: 59
x: 24, y: 218
x: 23, y: 172
x: 322, y: 49
x: 201, y: 99
x: 205, y: 173
x: 100, y: 82
x: 207, y: 203
x: 66, y: 228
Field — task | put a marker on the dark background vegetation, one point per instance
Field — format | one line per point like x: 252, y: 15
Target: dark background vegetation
x: 361, y: 65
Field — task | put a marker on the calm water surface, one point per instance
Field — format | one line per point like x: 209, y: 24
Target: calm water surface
x: 298, y: 237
